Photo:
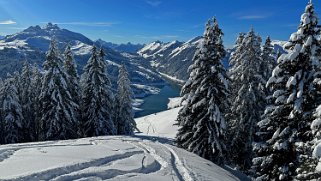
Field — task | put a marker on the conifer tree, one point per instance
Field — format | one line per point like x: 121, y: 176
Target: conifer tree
x: 58, y: 120
x: 25, y: 95
x: 12, y: 118
x: 36, y: 83
x: 201, y: 121
x: 248, y: 99
x: 285, y: 129
x: 124, y: 110
x: 72, y: 78
x: 268, y: 59
x: 72, y: 75
x: 97, y: 97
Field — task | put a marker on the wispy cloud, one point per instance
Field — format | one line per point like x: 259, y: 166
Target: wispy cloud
x: 79, y: 23
x: 253, y: 17
x: 154, y: 3
x: 7, y: 22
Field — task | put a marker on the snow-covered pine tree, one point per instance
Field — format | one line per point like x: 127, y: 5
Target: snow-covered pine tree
x: 285, y: 128
x: 12, y: 118
x: 25, y: 95
x: 58, y: 120
x: 124, y: 122
x: 237, y: 49
x: 36, y: 83
x: 202, y: 126
x: 312, y: 162
x: 248, y: 101
x: 268, y: 59
x: 234, y: 62
x: 72, y: 78
x: 97, y: 97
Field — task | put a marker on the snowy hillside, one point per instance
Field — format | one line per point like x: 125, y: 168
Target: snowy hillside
x: 147, y: 156
x: 159, y: 124
x: 172, y: 58
x: 102, y: 158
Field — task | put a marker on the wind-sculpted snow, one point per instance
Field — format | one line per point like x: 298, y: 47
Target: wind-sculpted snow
x: 105, y: 158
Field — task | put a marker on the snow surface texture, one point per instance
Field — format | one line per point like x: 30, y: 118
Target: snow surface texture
x: 105, y: 158
x: 174, y: 102
x: 159, y: 124
x: 140, y: 157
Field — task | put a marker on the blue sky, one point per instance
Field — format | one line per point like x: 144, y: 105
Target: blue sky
x: 143, y: 21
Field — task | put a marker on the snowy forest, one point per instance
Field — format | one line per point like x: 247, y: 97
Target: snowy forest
x: 261, y: 115
x: 56, y: 104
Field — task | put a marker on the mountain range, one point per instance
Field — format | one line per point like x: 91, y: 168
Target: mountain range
x: 148, y: 64
x: 32, y: 43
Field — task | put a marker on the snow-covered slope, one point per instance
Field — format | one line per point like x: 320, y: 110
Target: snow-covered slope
x: 105, y: 158
x: 172, y: 58
x: 159, y: 124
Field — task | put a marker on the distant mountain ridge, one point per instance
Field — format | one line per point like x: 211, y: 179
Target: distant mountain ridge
x: 145, y: 62
x: 32, y: 43
x: 174, y: 58
x: 128, y: 47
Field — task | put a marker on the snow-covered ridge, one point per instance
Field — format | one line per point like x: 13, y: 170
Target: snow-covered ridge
x: 172, y: 58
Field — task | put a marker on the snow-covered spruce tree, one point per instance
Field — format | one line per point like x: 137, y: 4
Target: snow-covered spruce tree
x: 285, y: 128
x: 248, y: 101
x: 234, y: 62
x: 312, y: 162
x: 36, y: 105
x: 268, y: 59
x: 70, y: 68
x: 25, y: 95
x: 124, y: 122
x: 97, y: 98
x: 12, y: 118
x: 237, y: 49
x: 201, y: 121
x: 58, y: 120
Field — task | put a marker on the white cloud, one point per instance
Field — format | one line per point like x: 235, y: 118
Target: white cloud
x: 252, y: 17
x: 103, y: 24
x: 154, y: 3
x: 7, y: 22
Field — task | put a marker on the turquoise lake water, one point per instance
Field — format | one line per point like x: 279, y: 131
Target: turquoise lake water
x: 158, y: 102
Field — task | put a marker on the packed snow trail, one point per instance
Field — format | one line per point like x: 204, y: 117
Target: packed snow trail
x: 106, y: 158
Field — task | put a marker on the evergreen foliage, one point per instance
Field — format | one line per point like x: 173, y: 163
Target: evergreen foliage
x: 201, y: 121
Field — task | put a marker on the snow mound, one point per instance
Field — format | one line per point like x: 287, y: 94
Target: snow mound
x: 102, y: 158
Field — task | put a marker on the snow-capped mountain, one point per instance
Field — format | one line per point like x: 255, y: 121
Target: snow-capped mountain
x: 171, y: 58
x: 174, y: 58
x: 128, y: 47
x: 32, y: 43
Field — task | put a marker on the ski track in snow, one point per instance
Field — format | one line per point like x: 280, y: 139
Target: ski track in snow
x: 117, y: 158
x: 175, y: 164
x: 152, y: 157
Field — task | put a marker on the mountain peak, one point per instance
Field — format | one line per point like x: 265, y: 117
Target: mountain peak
x: 51, y: 26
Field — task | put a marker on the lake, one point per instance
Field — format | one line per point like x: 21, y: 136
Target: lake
x: 158, y: 102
